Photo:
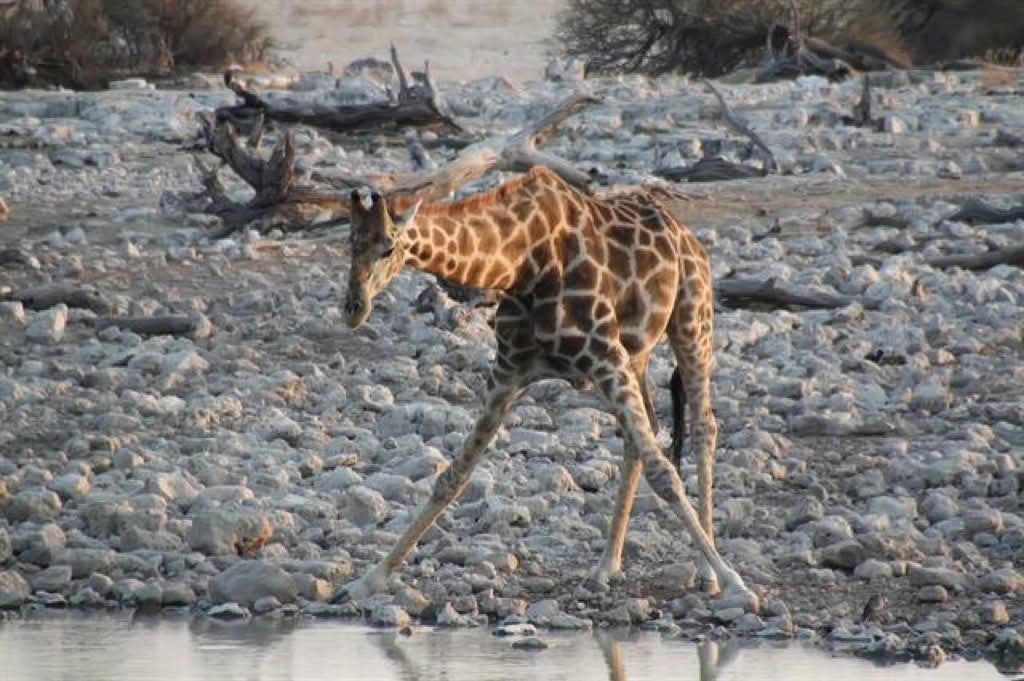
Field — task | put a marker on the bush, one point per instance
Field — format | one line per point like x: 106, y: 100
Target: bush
x: 85, y: 43
x: 712, y: 37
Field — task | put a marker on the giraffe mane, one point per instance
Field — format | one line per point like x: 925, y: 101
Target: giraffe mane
x: 473, y: 202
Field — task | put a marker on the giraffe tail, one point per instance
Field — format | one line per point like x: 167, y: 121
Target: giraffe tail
x: 675, y: 387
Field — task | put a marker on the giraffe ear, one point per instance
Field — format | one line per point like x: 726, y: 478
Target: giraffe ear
x: 407, y: 216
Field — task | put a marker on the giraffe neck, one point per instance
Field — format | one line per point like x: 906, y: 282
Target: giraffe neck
x: 485, y: 241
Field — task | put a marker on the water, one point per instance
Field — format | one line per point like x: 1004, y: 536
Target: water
x: 73, y: 647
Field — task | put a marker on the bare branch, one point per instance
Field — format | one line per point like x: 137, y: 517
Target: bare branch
x: 742, y: 128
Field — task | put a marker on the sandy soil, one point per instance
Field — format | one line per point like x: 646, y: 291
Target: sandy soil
x: 463, y: 39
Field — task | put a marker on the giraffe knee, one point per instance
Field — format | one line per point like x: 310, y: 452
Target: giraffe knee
x: 662, y: 477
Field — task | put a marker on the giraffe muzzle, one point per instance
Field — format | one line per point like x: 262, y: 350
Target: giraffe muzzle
x: 356, y: 312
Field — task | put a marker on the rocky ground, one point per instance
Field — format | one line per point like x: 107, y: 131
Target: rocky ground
x: 268, y: 456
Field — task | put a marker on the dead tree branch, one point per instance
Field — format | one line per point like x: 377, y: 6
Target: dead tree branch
x: 976, y: 211
x: 1013, y: 255
x: 740, y: 126
x: 417, y: 105
x: 742, y: 292
x: 196, y: 326
x: 290, y: 205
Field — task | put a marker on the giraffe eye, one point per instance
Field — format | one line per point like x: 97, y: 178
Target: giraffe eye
x: 387, y: 253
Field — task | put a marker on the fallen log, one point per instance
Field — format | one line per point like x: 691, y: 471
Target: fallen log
x: 416, y: 105
x: 1013, y: 255
x: 709, y: 170
x: 742, y: 292
x: 195, y: 326
x: 46, y: 296
x: 976, y: 211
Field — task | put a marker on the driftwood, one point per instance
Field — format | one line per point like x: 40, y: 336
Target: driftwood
x: 978, y: 212
x: 712, y: 167
x: 1013, y: 255
x: 742, y: 292
x: 416, y: 105
x: 291, y: 204
x: 47, y: 295
x: 197, y: 326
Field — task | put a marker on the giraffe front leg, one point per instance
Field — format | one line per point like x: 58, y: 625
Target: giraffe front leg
x: 609, y: 568
x: 447, y: 488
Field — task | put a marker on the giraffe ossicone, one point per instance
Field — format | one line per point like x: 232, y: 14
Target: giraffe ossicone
x: 590, y: 286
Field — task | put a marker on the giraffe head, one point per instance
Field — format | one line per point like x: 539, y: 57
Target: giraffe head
x: 378, y: 253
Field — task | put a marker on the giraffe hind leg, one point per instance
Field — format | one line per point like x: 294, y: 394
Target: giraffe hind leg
x: 689, y: 332
x: 623, y: 392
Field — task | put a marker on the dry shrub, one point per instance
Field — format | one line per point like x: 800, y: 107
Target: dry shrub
x: 712, y: 37
x: 85, y: 43
x: 703, y: 37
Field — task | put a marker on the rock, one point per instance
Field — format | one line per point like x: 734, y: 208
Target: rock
x: 40, y: 545
x: 449, y: 617
x: 172, y: 486
x: 389, y: 615
x: 994, y: 612
x: 938, y: 506
x: 845, y: 554
x: 517, y: 629
x: 177, y: 594
x: 87, y: 597
x: 71, y: 486
x: 530, y: 643
x: 830, y: 530
x: 228, y: 611
x: 873, y: 569
x: 927, y: 576
x: 542, y: 612
x: 220, y: 532
x: 933, y: 593
x: 411, y: 600
x: 265, y: 605
x: 365, y: 507
x: 84, y: 562
x: 806, y: 511
x: 6, y: 546
x: 54, y: 578
x: 1006, y: 581
x: 247, y: 581
x: 48, y: 326
x: 14, y: 590
x: 33, y: 504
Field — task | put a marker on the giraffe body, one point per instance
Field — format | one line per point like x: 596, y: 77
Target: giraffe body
x: 591, y: 286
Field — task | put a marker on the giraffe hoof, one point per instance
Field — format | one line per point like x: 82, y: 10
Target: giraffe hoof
x: 708, y: 585
x: 601, y: 580
x: 739, y: 596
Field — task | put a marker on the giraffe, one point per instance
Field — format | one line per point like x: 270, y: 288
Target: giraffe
x: 590, y: 287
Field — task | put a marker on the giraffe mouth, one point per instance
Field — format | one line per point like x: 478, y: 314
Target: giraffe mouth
x: 357, y: 312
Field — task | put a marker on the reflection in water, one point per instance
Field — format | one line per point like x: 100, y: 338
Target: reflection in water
x: 712, y: 657
x: 75, y: 647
